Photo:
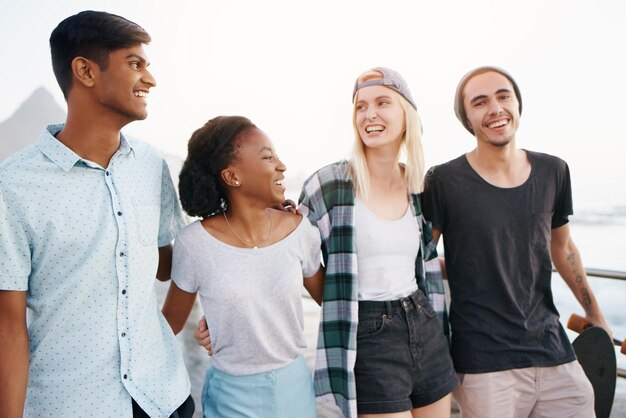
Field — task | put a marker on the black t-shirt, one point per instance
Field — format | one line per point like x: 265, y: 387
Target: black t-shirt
x: 497, y: 250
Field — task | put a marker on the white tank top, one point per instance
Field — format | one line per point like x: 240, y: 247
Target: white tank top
x: 385, y: 253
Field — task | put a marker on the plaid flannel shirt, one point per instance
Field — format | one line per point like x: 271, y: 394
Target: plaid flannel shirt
x: 327, y: 199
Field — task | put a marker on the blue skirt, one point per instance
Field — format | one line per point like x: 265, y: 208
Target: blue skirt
x: 283, y: 393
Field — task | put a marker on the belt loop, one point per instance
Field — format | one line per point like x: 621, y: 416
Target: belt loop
x: 388, y: 308
x: 414, y: 298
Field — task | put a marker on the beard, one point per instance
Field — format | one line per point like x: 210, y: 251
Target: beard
x: 500, y: 142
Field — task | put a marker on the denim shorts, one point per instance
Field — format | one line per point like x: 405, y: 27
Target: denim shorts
x: 402, y: 358
x: 282, y: 393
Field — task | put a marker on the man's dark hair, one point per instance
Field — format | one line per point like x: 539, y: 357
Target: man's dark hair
x: 93, y: 35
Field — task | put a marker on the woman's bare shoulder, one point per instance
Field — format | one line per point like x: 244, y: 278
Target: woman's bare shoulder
x: 285, y: 222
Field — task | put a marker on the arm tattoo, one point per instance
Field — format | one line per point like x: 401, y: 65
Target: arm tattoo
x: 571, y: 258
x: 586, y: 300
x: 584, y: 292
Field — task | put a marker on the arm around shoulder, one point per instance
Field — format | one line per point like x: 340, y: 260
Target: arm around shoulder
x: 13, y: 353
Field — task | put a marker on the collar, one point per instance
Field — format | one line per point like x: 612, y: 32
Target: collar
x: 64, y: 157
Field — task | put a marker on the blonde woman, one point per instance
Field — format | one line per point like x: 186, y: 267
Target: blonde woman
x: 381, y: 350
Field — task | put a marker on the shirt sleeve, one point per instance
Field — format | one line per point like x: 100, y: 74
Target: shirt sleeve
x: 183, y: 270
x: 563, y: 207
x: 312, y: 205
x: 305, y: 202
x: 171, y: 219
x: 310, y: 245
x: 15, y: 255
x: 433, y: 201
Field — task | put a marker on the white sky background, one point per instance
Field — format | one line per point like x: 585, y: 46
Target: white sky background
x: 290, y: 67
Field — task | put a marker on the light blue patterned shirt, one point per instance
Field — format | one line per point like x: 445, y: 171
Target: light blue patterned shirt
x: 83, y: 242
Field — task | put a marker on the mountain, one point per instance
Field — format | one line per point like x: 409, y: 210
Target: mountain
x: 40, y: 109
x: 24, y: 126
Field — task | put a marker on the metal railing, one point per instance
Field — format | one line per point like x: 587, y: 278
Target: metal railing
x: 606, y: 274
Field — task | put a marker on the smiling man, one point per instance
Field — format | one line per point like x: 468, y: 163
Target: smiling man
x: 86, y: 221
x: 503, y: 212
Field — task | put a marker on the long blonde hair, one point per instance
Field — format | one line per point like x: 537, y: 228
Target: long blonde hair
x: 411, y: 152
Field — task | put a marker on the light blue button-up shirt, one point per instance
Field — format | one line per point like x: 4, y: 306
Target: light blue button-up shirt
x: 83, y: 241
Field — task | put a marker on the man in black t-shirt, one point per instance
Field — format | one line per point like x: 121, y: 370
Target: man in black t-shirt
x: 503, y: 212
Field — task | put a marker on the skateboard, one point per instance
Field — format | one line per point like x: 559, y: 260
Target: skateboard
x: 595, y: 353
x: 579, y: 324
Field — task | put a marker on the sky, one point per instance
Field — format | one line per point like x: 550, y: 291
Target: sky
x: 290, y: 67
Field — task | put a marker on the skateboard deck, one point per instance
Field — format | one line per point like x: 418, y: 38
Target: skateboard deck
x: 596, y: 355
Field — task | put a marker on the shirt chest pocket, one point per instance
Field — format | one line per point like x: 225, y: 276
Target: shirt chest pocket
x: 541, y: 228
x: 542, y: 211
x: 147, y: 220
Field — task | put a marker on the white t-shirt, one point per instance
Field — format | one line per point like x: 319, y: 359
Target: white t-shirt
x: 251, y: 297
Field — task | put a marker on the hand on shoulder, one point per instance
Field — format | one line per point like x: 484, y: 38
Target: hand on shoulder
x: 288, y: 206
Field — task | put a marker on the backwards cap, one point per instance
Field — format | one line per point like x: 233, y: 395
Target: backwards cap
x: 391, y: 79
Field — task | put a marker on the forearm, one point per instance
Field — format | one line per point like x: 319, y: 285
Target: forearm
x: 177, y: 307
x: 13, y: 353
x: 568, y: 263
x: 13, y: 371
x: 164, y: 270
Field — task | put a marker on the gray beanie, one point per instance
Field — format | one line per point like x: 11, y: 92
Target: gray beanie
x: 391, y: 79
x: 459, y: 108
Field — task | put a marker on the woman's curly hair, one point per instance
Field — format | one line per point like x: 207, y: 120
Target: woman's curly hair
x: 210, y: 150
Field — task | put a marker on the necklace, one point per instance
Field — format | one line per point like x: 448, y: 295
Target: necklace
x: 253, y: 246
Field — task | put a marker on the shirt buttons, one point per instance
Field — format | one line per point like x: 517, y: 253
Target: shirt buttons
x: 125, y: 376
x: 123, y: 291
x: 122, y: 254
x: 107, y: 173
x: 119, y: 213
x: 123, y: 334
